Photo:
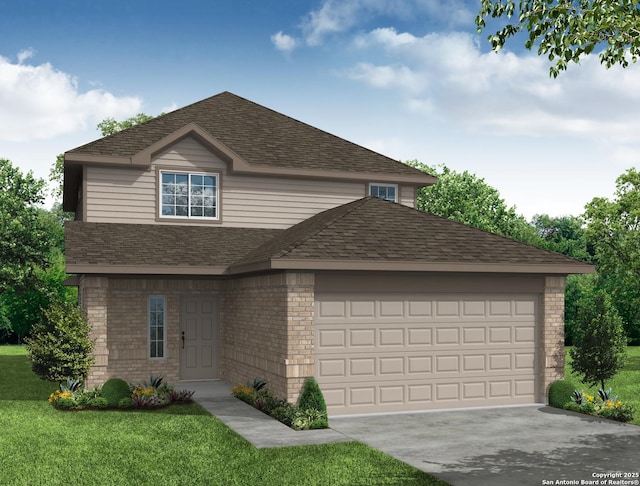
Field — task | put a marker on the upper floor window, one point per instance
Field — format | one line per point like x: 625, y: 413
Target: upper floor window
x: 189, y: 195
x: 384, y: 191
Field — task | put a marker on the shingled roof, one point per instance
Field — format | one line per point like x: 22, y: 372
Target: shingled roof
x: 367, y: 234
x: 371, y: 233
x: 260, y: 136
x: 157, y: 249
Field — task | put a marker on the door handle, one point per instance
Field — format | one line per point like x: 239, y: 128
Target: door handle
x: 182, y: 339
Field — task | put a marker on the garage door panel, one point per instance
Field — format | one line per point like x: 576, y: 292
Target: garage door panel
x: 389, y: 352
x: 332, y: 368
x: 362, y: 367
x: 418, y: 336
x: 362, y: 309
x: 391, y: 394
x: 473, y: 308
x: 391, y: 337
x: 359, y: 338
x: 372, y: 397
x: 474, y: 335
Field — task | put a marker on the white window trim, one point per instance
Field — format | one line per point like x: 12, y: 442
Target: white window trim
x: 188, y: 173
x: 395, y: 186
x: 164, y: 327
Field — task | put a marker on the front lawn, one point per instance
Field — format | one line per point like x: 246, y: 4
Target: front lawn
x: 626, y: 384
x: 174, y: 445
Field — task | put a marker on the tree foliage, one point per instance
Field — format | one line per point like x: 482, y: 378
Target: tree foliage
x: 599, y: 350
x: 59, y: 346
x: 26, y: 238
x: 566, y: 30
x: 563, y: 234
x: 468, y: 199
x: 109, y: 126
x: 613, y: 229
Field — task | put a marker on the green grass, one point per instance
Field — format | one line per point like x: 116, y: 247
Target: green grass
x: 179, y: 445
x: 626, y: 384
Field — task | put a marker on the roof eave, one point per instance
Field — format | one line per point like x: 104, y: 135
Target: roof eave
x: 102, y: 269
x: 408, y: 266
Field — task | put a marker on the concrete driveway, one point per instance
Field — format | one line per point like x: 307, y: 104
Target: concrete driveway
x: 532, y: 445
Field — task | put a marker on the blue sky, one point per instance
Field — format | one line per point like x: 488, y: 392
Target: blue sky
x: 408, y: 78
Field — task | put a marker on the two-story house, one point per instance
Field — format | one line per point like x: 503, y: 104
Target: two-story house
x: 227, y: 241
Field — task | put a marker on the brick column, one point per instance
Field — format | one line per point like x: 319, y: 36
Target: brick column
x: 93, y: 292
x: 300, y: 360
x: 552, y: 339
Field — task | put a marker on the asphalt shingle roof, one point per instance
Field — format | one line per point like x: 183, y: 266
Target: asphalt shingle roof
x: 374, y: 230
x: 108, y: 244
x: 367, y: 230
x: 261, y: 136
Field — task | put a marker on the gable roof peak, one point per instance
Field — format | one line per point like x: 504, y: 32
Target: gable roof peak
x: 261, y: 136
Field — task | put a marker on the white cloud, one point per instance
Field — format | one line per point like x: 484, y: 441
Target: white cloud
x: 25, y: 54
x: 284, y: 42
x: 338, y: 16
x: 40, y: 102
x: 503, y: 93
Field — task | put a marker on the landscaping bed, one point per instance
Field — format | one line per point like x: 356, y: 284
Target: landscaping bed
x: 620, y: 401
x: 117, y: 393
x: 308, y: 414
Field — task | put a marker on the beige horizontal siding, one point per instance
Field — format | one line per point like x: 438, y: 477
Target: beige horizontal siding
x: 125, y: 195
x: 408, y: 196
x: 190, y: 154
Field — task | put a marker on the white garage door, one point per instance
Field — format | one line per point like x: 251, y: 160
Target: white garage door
x: 391, y: 352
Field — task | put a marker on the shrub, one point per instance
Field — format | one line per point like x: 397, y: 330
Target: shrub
x: 257, y: 384
x: 65, y: 403
x: 616, y: 410
x: 181, y: 396
x: 305, y: 419
x: 59, y: 346
x: 311, y: 396
x: 284, y: 413
x: 115, y: 390
x: 125, y: 403
x: 602, y: 406
x: 98, y: 402
x: 154, y: 382
x: 266, y: 401
x: 145, y: 401
x: 560, y: 393
x: 244, y: 393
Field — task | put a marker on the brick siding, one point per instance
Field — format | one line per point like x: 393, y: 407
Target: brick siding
x: 268, y: 331
x: 552, y: 338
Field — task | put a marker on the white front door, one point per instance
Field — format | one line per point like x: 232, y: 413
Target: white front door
x: 199, y: 338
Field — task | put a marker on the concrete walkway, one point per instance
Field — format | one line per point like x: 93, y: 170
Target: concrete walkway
x: 254, y: 426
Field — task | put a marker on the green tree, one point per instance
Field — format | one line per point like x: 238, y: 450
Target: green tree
x: 59, y: 347
x: 613, y: 230
x: 564, y: 234
x: 468, y: 199
x: 566, y: 30
x: 599, y: 350
x: 56, y: 177
x: 109, y: 126
x: 26, y: 243
x: 579, y: 288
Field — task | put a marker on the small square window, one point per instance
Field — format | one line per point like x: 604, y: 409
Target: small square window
x: 384, y: 191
